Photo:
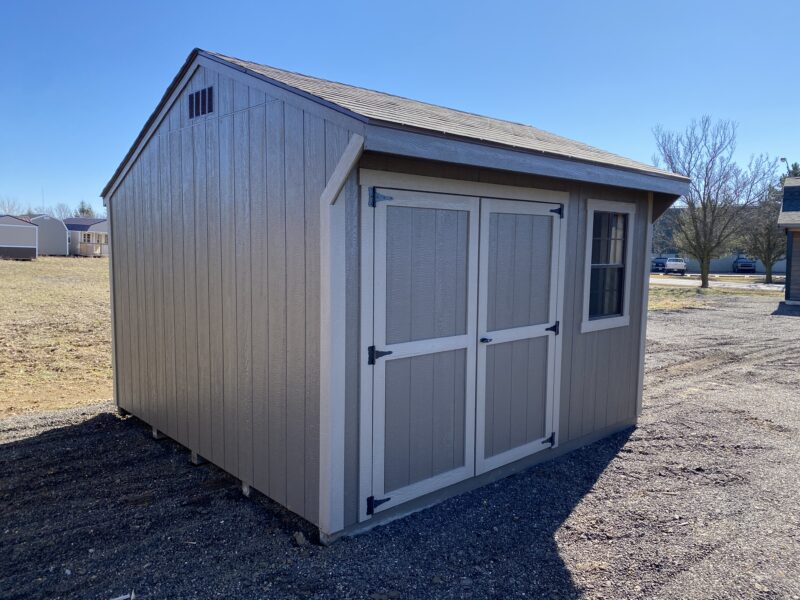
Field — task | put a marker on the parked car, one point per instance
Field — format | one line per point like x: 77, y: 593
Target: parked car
x: 663, y: 264
x: 657, y: 264
x: 675, y: 265
x: 742, y: 264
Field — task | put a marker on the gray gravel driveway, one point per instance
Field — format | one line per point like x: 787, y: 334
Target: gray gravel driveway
x: 702, y: 500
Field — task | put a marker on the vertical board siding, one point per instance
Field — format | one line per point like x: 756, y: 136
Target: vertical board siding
x: 216, y: 279
x: 244, y: 373
x: 276, y: 285
x: 259, y: 304
x: 794, y: 276
x: 598, y: 384
x: 315, y: 179
x: 296, y: 309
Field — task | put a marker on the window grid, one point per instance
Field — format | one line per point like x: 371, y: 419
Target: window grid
x: 607, y: 283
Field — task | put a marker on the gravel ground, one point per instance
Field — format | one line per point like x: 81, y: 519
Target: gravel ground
x: 700, y: 501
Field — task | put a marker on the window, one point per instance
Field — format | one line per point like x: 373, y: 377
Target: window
x: 608, y: 261
x: 86, y: 238
x: 201, y: 102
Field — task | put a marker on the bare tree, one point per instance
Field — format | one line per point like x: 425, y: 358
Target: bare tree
x: 720, y: 190
x: 762, y: 238
x: 61, y: 211
x: 10, y: 206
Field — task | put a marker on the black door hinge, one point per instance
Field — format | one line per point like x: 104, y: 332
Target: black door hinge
x: 559, y: 211
x: 555, y: 328
x: 373, y: 503
x: 373, y: 354
x: 551, y: 440
x: 375, y: 196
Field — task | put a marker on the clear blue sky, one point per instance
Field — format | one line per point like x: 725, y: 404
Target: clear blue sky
x: 80, y: 78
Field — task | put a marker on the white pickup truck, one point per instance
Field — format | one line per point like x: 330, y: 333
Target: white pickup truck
x: 675, y: 265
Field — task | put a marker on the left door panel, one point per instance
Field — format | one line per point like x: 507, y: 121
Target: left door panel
x: 425, y: 315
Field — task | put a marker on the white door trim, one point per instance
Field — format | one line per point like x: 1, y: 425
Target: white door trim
x: 373, y: 178
x: 489, y: 205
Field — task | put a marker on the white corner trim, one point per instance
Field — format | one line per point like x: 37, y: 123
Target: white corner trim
x: 562, y: 273
x: 349, y: 158
x: 593, y: 206
x: 645, y: 299
x: 332, y: 366
x: 367, y: 227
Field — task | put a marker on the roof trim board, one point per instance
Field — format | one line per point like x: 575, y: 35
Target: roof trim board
x: 405, y: 140
x: 390, y: 140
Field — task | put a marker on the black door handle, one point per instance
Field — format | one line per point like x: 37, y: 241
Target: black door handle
x: 485, y: 340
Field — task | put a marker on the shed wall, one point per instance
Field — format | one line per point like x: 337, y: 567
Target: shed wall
x: 794, y: 278
x: 216, y: 265
x: 14, y: 232
x: 53, y: 236
x: 599, y: 372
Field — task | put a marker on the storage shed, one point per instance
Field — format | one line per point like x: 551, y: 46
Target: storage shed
x: 359, y: 304
x: 18, y: 238
x: 789, y: 220
x: 53, y: 235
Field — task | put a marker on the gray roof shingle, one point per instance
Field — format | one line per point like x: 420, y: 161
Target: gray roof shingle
x: 397, y: 110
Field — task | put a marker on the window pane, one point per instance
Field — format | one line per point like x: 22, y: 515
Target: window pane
x: 606, y: 292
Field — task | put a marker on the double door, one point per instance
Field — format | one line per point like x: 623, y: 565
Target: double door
x: 462, y: 360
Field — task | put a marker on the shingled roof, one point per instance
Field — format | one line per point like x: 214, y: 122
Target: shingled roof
x: 381, y: 109
x: 81, y: 223
x: 790, y: 211
x: 389, y: 108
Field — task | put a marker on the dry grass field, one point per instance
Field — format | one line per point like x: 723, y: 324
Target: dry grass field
x: 665, y: 298
x: 55, y: 333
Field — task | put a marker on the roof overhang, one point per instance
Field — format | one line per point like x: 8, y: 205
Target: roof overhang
x: 428, y: 145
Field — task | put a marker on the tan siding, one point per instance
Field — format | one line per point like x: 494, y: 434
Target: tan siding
x: 217, y: 258
x: 599, y: 369
x: 260, y: 310
x: 315, y: 179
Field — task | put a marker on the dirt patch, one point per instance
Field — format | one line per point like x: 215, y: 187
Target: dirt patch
x: 698, y: 502
x: 55, y: 333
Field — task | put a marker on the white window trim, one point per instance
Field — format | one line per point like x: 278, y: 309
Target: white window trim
x: 593, y: 206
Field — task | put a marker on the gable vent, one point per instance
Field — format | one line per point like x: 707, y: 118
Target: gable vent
x: 201, y: 102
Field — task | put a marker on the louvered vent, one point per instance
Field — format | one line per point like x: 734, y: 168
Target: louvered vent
x: 201, y: 102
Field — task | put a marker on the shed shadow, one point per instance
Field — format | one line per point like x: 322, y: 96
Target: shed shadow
x: 786, y: 310
x: 99, y: 508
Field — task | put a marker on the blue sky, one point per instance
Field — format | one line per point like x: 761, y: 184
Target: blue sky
x: 80, y: 78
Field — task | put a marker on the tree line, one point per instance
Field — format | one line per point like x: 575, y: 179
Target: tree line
x: 729, y: 206
x: 12, y: 206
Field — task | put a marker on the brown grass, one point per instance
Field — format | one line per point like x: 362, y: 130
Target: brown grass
x: 669, y: 297
x: 55, y: 333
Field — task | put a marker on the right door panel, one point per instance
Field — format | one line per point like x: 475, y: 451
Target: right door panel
x: 517, y: 310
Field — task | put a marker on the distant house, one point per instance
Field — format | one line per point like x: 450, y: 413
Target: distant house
x: 87, y: 236
x: 19, y: 238
x: 53, y: 235
x: 789, y: 219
